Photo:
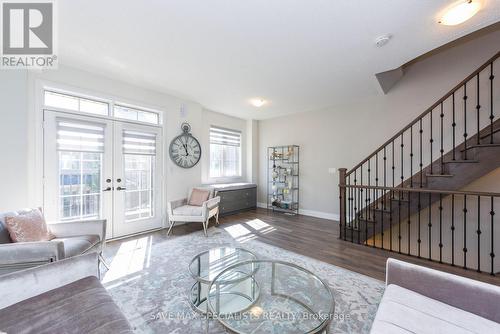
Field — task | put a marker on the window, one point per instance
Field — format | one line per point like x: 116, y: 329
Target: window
x: 69, y: 102
x: 136, y: 115
x: 225, y: 152
x: 80, y: 147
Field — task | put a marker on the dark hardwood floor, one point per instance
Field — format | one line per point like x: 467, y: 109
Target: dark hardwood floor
x: 319, y: 239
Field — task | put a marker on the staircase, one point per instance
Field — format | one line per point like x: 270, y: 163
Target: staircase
x: 406, y: 196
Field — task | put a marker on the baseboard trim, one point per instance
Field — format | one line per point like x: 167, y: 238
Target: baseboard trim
x: 311, y: 213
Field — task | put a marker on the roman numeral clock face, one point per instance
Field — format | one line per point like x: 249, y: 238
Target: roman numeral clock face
x: 185, y: 151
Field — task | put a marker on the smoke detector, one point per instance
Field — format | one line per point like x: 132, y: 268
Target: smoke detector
x: 382, y: 40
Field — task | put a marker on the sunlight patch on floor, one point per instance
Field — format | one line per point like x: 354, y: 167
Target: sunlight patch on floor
x: 132, y: 257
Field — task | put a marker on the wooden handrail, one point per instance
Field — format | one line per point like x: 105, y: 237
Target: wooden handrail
x: 423, y: 190
x: 427, y: 111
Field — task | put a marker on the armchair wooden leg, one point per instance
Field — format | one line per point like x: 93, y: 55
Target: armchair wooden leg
x: 205, y: 226
x: 217, y: 218
x: 172, y: 223
x: 103, y: 262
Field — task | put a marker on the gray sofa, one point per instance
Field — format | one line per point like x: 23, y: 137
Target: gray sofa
x: 424, y: 300
x: 72, y: 238
x: 61, y: 297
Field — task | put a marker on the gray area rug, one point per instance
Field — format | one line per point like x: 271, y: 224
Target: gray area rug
x: 150, y: 281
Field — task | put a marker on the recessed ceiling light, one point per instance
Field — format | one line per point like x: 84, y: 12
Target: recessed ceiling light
x: 460, y: 12
x: 258, y: 102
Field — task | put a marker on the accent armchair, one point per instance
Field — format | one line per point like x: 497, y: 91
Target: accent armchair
x: 72, y: 238
x: 180, y: 211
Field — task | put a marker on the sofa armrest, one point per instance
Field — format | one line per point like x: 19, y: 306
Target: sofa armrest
x: 171, y: 205
x: 86, y: 227
x: 21, y: 255
x: 463, y: 293
x: 32, y: 282
x: 212, y: 203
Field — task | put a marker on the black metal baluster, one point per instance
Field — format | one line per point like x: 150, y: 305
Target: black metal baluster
x: 491, y: 103
x: 454, y: 124
x: 402, y: 162
x: 399, y: 222
x: 421, y: 165
x: 393, y: 167
x: 390, y: 218
x: 384, y: 197
x: 411, y: 157
x: 492, y: 247
x: 375, y: 197
x: 419, y: 240
x: 465, y: 232
x: 440, y: 228
x: 430, y: 227
x: 478, y: 231
x: 367, y: 200
x: 348, y: 193
x: 442, y: 139
x: 465, y: 121
x: 356, y: 196
x: 452, y: 229
x: 478, y: 108
x: 409, y: 223
x: 431, y: 141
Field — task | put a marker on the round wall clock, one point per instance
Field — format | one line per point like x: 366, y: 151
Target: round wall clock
x: 185, y: 150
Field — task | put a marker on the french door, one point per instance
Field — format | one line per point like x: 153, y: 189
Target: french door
x: 96, y: 168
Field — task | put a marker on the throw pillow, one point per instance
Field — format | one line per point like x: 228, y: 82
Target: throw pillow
x: 198, y: 196
x: 28, y: 226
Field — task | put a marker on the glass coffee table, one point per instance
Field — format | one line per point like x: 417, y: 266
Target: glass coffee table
x: 208, y: 265
x: 290, y: 299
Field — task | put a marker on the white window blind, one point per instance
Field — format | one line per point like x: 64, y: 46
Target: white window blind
x: 76, y: 136
x: 225, y: 152
x: 139, y: 143
x: 227, y: 137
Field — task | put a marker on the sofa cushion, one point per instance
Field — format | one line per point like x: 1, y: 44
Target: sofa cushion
x: 405, y: 311
x: 28, y: 226
x: 198, y: 197
x: 83, y: 306
x: 78, y: 245
x: 188, y: 210
x: 4, y: 233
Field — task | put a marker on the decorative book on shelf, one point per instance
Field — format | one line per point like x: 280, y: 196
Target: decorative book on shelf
x: 283, y: 178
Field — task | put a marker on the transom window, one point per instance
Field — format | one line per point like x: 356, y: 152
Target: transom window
x: 225, y: 152
x: 89, y: 106
x: 74, y: 103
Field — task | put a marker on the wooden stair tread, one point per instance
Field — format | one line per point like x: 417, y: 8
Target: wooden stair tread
x: 461, y: 161
x: 480, y: 146
x: 439, y: 175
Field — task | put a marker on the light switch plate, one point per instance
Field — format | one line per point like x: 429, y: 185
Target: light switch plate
x: 332, y: 170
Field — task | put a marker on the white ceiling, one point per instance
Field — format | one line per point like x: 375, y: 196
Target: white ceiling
x: 299, y: 54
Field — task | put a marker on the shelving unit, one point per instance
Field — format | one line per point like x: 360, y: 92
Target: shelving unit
x: 283, y: 182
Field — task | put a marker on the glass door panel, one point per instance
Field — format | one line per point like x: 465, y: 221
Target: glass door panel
x: 77, y: 168
x: 138, y: 175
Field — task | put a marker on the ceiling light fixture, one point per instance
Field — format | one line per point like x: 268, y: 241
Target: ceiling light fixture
x: 460, y: 12
x: 258, y: 102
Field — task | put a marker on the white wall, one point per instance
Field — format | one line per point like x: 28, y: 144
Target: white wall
x: 19, y: 133
x: 343, y: 136
x: 13, y: 140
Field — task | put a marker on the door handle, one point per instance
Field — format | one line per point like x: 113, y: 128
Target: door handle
x: 120, y: 188
x: 107, y: 189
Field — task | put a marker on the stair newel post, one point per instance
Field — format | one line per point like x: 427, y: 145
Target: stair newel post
x: 441, y: 115
x: 343, y: 199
